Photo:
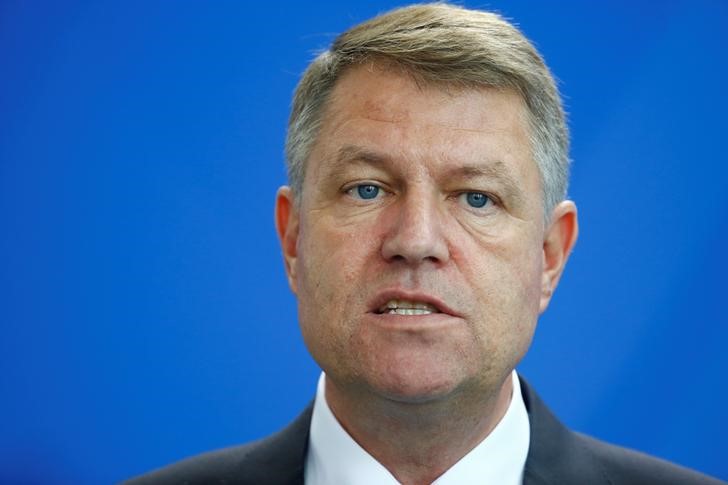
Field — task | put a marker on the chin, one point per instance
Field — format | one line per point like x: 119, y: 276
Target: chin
x: 415, y: 384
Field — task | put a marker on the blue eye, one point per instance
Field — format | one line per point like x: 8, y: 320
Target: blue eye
x: 476, y: 199
x: 367, y: 191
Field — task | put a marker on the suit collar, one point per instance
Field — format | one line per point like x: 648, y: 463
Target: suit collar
x: 555, y: 454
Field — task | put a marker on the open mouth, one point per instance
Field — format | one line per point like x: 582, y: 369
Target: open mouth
x: 405, y: 307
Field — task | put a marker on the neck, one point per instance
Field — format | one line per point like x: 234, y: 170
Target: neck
x: 418, y: 442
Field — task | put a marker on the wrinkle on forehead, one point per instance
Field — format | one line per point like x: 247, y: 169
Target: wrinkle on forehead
x: 405, y: 119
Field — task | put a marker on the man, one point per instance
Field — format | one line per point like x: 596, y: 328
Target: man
x: 424, y: 231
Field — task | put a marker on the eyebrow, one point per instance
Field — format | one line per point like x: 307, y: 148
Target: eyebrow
x: 491, y: 169
x: 353, y: 153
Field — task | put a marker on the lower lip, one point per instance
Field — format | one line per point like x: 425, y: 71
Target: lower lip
x: 428, y: 321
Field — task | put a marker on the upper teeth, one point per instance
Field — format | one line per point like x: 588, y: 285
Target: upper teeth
x: 404, y: 307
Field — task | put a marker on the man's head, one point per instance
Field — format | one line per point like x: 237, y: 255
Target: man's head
x: 447, y: 46
x: 414, y: 233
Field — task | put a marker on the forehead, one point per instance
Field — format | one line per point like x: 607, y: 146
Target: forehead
x: 390, y: 93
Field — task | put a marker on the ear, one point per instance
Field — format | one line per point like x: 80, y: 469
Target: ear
x: 557, y: 245
x: 287, y: 228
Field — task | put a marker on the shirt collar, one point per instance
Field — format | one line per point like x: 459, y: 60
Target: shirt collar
x: 334, y: 457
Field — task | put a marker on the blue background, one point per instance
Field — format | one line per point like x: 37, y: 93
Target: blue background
x: 144, y: 311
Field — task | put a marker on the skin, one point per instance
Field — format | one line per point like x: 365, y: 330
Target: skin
x: 419, y: 392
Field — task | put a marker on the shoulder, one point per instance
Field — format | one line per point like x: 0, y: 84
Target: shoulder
x: 624, y: 466
x: 277, y: 459
x: 228, y: 465
x: 558, y: 455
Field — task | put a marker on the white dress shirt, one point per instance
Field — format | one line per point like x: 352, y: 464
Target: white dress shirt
x: 334, y: 458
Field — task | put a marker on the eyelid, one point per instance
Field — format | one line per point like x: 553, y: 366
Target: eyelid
x: 492, y: 198
x: 350, y: 187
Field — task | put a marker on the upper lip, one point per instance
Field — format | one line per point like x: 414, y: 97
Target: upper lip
x: 384, y: 297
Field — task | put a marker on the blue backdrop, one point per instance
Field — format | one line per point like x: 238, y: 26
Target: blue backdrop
x: 144, y: 311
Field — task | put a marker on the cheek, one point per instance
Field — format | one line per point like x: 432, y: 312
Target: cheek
x: 332, y: 266
x: 332, y: 259
x: 506, y: 287
x: 527, y: 286
x: 530, y: 271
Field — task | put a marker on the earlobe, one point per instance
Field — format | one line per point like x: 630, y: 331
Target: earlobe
x: 558, y: 242
x: 286, y: 218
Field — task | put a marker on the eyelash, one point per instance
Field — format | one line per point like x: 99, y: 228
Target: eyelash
x: 354, y: 192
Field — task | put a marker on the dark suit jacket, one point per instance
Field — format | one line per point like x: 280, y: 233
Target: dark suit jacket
x: 556, y: 456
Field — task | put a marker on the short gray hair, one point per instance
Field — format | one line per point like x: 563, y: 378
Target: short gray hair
x: 444, y: 45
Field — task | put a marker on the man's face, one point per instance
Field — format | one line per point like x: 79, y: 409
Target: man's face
x: 418, y: 251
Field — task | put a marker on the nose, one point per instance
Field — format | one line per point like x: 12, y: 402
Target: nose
x: 417, y: 231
